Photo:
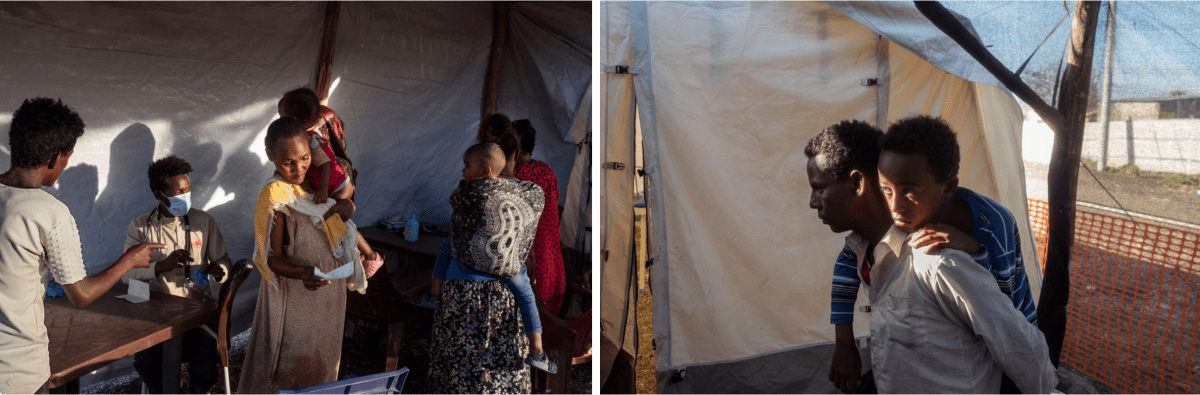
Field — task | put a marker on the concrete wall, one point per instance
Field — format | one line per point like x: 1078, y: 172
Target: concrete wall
x: 1141, y: 110
x: 1166, y: 145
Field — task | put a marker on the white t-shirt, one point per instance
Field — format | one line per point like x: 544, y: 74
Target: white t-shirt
x: 38, y: 238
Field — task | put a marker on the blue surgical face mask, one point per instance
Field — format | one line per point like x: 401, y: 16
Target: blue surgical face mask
x: 180, y: 204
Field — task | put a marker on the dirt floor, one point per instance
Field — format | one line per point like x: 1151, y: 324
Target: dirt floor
x: 364, y: 352
x: 1144, y: 194
x: 646, y: 383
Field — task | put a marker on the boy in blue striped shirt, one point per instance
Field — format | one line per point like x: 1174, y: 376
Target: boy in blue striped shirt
x: 964, y: 220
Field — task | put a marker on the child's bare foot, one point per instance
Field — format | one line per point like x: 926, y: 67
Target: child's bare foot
x: 372, y: 265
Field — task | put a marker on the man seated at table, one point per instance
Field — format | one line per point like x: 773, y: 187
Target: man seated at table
x: 196, y: 251
x: 39, y: 239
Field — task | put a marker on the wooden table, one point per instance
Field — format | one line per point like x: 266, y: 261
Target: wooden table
x: 414, y: 271
x: 108, y: 329
x: 388, y: 293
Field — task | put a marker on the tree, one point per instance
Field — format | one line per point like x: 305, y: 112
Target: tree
x: 1043, y: 79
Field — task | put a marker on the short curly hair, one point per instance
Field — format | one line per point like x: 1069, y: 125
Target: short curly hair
x: 929, y: 136
x: 42, y: 128
x: 303, y: 104
x: 165, y: 168
x: 527, y: 132
x: 846, y: 146
x: 282, y: 129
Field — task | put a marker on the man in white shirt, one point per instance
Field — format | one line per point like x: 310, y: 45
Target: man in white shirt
x: 39, y: 241
x: 195, y: 244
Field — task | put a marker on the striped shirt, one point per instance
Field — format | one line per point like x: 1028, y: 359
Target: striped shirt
x: 1000, y: 244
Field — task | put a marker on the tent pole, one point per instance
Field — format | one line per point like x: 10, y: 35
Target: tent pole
x: 947, y: 23
x: 491, y: 81
x: 325, y: 60
x: 1063, y: 176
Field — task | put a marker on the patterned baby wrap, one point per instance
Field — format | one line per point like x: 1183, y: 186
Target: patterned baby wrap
x: 494, y: 223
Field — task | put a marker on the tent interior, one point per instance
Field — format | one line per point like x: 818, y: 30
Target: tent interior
x: 202, y: 81
x: 726, y: 95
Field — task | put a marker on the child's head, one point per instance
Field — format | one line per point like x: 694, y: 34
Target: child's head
x: 918, y: 169
x: 287, y: 147
x: 43, y: 132
x: 483, y: 160
x: 303, y: 104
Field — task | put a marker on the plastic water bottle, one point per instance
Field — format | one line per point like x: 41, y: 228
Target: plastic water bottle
x: 412, y: 228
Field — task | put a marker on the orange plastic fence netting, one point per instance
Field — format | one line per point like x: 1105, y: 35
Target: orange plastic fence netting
x: 1135, y: 297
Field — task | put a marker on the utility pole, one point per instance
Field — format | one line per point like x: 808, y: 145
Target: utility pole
x: 1106, y: 94
x: 1063, y: 176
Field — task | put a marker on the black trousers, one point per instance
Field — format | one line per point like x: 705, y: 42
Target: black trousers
x: 199, y: 351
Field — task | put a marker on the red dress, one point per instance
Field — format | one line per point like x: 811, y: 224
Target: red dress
x: 550, y: 274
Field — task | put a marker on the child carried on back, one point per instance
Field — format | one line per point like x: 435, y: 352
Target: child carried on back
x: 329, y: 175
x: 493, y: 227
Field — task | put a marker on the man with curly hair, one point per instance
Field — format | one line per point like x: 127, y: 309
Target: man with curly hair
x: 842, y: 174
x: 40, y: 241
x: 197, y: 250
x: 943, y: 319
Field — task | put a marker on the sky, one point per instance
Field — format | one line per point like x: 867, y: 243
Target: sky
x: 1157, y: 42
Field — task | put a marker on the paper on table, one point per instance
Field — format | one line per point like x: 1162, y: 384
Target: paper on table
x: 341, y: 272
x: 138, y: 292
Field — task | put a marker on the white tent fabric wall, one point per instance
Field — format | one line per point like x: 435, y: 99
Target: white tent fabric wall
x: 617, y: 194
x: 201, y: 81
x: 410, y: 84
x: 151, y: 80
x: 577, y: 207
x: 728, y: 94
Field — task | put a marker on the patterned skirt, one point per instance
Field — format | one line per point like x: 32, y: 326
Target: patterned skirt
x: 478, y: 342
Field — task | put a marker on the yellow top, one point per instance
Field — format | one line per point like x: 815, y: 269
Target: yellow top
x: 276, y: 195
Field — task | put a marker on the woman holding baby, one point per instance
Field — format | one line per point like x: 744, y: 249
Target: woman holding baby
x: 296, y: 340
